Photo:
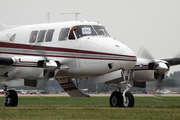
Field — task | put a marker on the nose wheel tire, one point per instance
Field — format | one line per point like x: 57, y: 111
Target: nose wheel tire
x: 11, y: 98
x: 116, y: 99
x: 129, y: 100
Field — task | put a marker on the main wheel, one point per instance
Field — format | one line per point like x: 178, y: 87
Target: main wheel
x: 116, y: 99
x: 129, y: 100
x: 11, y: 98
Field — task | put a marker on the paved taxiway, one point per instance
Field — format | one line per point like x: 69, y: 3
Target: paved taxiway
x: 100, y: 95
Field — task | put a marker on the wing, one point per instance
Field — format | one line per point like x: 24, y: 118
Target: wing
x: 27, y: 68
x: 36, y: 64
x: 172, y: 61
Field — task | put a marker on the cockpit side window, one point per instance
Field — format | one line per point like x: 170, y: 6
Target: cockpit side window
x: 84, y: 30
x: 41, y: 36
x: 63, y: 35
x: 12, y: 38
x: 49, y: 35
x: 101, y: 31
x: 33, y: 36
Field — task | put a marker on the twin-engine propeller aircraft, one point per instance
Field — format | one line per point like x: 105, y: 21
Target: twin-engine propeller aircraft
x: 76, y: 49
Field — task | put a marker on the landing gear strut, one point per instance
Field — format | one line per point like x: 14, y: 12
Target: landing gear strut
x: 10, y: 97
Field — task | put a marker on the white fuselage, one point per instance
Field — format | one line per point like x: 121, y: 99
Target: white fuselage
x: 80, y: 57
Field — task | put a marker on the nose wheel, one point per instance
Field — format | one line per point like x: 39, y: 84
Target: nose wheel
x: 129, y: 102
x: 116, y: 100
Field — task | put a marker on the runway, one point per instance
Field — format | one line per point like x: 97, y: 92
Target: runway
x: 99, y: 95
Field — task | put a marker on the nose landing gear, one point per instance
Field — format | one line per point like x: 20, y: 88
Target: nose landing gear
x: 117, y: 99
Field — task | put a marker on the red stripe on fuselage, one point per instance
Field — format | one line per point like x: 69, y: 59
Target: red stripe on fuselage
x: 65, y: 56
x: 45, y: 48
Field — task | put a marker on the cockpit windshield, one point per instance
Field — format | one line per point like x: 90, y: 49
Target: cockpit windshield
x: 84, y: 30
x: 101, y: 31
x: 88, y: 30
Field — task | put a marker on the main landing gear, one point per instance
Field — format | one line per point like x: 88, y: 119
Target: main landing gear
x: 10, y: 97
x: 124, y: 99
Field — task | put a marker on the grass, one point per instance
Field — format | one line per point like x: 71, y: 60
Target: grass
x: 94, y: 108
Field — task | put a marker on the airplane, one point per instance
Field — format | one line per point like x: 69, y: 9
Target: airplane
x: 69, y: 50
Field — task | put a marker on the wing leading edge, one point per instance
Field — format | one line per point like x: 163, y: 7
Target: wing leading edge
x: 172, y: 61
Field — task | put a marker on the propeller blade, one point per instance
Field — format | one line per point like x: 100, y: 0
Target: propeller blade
x: 40, y: 50
x: 145, y: 54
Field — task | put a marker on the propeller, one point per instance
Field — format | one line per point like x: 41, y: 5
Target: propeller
x: 161, y: 67
x: 50, y: 66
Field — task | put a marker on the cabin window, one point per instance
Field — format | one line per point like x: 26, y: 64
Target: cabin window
x: 12, y: 38
x: 41, y: 36
x: 33, y: 36
x: 49, y: 35
x: 63, y: 35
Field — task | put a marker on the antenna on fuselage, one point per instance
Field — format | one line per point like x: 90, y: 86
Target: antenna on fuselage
x: 76, y: 14
x: 48, y: 17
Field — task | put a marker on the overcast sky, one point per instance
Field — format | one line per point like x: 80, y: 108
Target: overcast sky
x: 154, y: 24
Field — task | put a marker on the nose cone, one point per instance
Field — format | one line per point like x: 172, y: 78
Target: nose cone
x: 112, y: 52
x: 130, y: 58
x: 126, y: 57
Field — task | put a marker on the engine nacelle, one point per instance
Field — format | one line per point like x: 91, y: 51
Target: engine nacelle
x: 26, y: 73
x: 148, y: 70
x: 33, y: 68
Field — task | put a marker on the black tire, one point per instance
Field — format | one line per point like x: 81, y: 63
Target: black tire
x: 116, y: 99
x: 12, y: 99
x: 130, y: 100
